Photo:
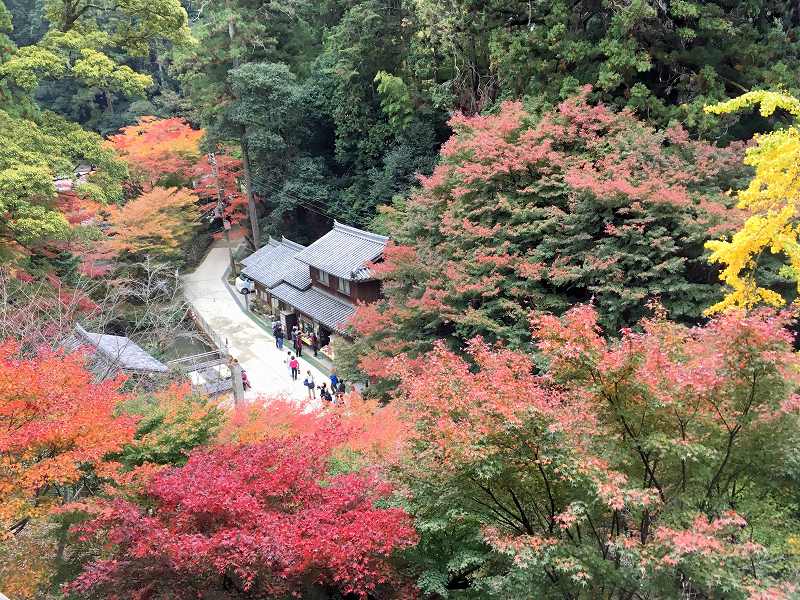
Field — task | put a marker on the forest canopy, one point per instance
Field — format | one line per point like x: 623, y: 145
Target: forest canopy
x: 571, y: 370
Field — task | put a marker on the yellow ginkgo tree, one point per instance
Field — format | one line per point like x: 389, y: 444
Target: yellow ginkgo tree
x: 772, y: 200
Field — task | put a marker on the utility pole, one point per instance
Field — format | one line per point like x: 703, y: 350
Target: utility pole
x: 251, y: 201
x: 220, y: 210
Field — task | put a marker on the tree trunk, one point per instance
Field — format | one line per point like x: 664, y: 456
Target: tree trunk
x: 251, y: 202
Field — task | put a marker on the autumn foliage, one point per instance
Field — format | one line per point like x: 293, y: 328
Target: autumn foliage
x: 159, y: 148
x: 524, y: 212
x: 771, y: 201
x: 156, y: 222
x: 57, y: 430
x: 639, y: 467
x: 260, y: 520
x: 167, y: 152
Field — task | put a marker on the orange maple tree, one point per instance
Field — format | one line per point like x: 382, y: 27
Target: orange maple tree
x: 167, y: 152
x: 158, y: 148
x: 158, y: 221
x: 374, y: 432
x: 57, y: 427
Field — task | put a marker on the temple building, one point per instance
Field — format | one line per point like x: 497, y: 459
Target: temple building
x: 317, y: 287
x: 110, y: 355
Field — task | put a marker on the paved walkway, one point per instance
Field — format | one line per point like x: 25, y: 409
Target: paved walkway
x: 248, y: 342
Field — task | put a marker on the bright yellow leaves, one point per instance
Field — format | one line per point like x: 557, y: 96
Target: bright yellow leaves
x: 772, y: 198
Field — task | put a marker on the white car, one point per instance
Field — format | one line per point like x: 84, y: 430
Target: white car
x: 245, y: 285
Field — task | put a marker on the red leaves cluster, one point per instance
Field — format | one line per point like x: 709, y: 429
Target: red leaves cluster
x: 229, y: 172
x: 525, y: 212
x: 168, y: 151
x: 263, y: 519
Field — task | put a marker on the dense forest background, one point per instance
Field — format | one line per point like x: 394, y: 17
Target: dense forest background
x: 578, y: 381
x: 342, y: 103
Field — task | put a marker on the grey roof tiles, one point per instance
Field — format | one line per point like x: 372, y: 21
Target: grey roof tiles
x: 344, y: 252
x: 276, y: 262
x: 120, y: 352
x: 326, y: 309
x: 282, y: 266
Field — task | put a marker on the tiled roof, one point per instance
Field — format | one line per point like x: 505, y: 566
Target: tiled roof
x: 275, y: 263
x: 344, y: 252
x: 120, y: 352
x: 319, y: 306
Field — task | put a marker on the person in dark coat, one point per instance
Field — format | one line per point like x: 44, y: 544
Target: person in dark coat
x: 298, y: 344
x: 314, y: 343
x: 324, y: 394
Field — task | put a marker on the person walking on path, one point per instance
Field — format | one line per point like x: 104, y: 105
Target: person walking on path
x: 298, y: 344
x: 288, y: 361
x: 278, y: 337
x: 294, y: 365
x: 309, y: 383
x: 314, y: 343
x: 245, y: 381
x: 334, y: 380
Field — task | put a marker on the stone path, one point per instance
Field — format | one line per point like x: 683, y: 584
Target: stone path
x: 254, y: 348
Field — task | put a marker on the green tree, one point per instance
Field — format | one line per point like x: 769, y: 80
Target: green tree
x: 523, y: 213
x: 665, y: 59
x: 35, y: 152
x: 171, y: 423
x: 350, y: 146
x: 88, y: 41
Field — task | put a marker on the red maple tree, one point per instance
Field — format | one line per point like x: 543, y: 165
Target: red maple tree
x: 263, y: 519
x: 159, y: 148
x: 168, y: 152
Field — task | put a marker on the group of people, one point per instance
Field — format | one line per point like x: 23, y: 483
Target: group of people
x: 334, y: 393
x: 295, y: 338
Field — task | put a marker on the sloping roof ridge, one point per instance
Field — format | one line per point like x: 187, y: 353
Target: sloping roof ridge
x: 367, y: 235
x: 293, y: 245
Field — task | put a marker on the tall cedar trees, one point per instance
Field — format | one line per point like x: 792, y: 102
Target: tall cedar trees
x: 582, y: 204
x: 661, y: 465
x: 664, y: 59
